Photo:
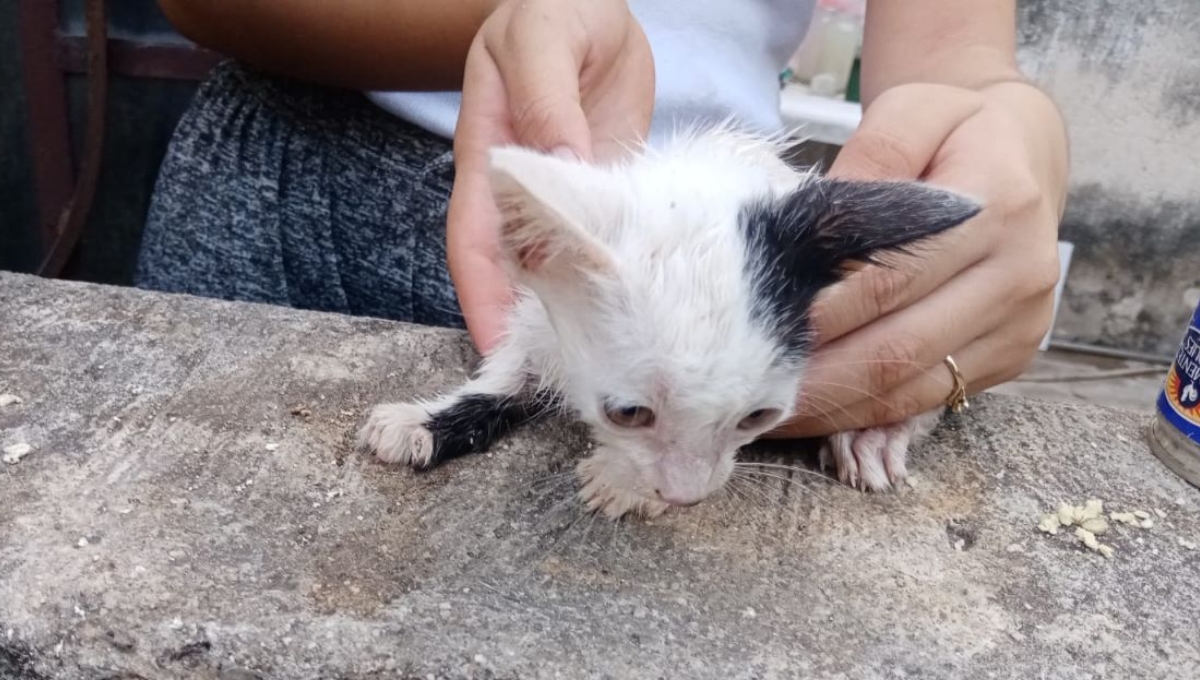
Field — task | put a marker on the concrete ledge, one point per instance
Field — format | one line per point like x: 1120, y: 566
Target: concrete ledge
x: 176, y: 519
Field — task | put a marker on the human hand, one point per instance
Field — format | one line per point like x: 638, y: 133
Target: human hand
x: 570, y: 76
x: 982, y: 292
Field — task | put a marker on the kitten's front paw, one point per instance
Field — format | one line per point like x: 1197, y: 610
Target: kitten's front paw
x: 396, y: 433
x: 605, y: 489
x: 874, y: 459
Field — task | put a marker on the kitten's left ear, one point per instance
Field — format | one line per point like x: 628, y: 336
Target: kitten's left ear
x: 825, y: 224
x: 545, y: 203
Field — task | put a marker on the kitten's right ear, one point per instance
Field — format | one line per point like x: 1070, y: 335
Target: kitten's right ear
x: 543, y: 201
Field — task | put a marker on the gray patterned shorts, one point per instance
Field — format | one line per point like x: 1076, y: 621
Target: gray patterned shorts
x: 278, y: 192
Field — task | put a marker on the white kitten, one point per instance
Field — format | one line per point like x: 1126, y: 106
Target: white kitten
x: 664, y: 301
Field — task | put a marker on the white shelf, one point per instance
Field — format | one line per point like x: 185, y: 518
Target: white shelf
x: 819, y: 119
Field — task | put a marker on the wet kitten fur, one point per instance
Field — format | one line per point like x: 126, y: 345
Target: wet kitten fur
x: 664, y: 301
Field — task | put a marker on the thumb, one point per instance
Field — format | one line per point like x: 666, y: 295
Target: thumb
x: 540, y: 71
x: 902, y: 130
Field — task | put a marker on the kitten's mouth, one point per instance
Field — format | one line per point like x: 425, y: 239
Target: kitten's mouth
x: 686, y: 503
x: 679, y: 501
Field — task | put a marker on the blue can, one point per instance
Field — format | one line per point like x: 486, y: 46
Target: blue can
x: 1175, y: 431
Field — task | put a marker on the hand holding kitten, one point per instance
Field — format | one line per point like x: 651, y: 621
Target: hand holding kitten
x: 547, y: 75
x: 983, y: 293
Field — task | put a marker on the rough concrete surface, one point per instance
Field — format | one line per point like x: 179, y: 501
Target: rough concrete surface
x: 191, y: 509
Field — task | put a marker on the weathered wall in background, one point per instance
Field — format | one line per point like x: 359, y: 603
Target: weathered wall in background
x: 1127, y: 76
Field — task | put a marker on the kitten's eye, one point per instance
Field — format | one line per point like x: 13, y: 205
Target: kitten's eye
x: 629, y: 416
x: 758, y: 418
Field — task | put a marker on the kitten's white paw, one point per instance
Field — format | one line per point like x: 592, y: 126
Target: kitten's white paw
x: 874, y: 459
x: 396, y: 433
x: 605, y: 489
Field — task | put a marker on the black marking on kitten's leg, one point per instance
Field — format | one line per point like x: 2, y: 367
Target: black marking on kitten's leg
x: 475, y: 421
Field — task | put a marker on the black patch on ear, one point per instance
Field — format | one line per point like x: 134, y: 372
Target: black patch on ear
x: 799, y: 244
x: 475, y: 421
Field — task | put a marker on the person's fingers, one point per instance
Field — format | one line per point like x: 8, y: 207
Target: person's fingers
x: 472, y: 221
x: 539, y: 62
x: 878, y: 290
x: 879, y: 358
x: 987, y: 361
x: 473, y: 257
x: 899, y: 136
x: 935, y: 385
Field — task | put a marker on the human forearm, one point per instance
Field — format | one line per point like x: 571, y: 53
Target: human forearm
x: 965, y: 44
x: 362, y: 44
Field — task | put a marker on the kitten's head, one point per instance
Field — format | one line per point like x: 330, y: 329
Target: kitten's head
x: 678, y: 285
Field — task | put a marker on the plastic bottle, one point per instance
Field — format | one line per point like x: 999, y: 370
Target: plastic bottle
x: 827, y: 55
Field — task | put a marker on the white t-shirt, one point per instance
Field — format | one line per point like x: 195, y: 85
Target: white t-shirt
x: 713, y: 59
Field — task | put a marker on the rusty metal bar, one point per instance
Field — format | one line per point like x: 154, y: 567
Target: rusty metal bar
x: 46, y: 103
x: 141, y: 59
x: 73, y: 217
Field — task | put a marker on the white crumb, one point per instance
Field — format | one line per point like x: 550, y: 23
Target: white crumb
x: 9, y: 399
x: 1049, y: 524
x: 272, y: 446
x: 1087, y: 538
x: 15, y: 452
x: 1066, y: 514
x: 1091, y: 509
x: 83, y: 542
x: 1124, y: 518
x: 1089, y: 522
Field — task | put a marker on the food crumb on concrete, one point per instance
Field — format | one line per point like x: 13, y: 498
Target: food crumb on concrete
x: 13, y: 453
x: 1050, y: 524
x: 1090, y: 523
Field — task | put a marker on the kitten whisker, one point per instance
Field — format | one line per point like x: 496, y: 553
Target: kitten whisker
x: 823, y: 413
x: 743, y: 466
x: 763, y: 473
x: 755, y: 486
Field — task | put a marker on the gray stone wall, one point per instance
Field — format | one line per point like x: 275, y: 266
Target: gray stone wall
x: 1127, y: 76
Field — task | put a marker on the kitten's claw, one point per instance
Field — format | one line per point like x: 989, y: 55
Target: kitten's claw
x: 871, y: 459
x: 874, y: 459
x: 396, y: 433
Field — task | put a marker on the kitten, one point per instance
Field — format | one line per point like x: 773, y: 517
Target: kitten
x: 664, y: 301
